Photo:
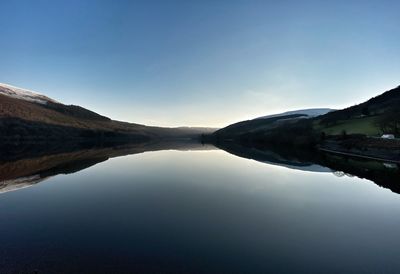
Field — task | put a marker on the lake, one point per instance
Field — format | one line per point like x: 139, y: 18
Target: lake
x: 195, y: 210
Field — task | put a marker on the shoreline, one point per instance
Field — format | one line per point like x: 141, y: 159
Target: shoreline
x: 359, y: 155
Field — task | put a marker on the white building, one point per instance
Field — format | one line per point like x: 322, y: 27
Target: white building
x: 387, y: 136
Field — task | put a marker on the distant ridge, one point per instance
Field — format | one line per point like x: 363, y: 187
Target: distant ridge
x: 308, y: 113
x: 268, y: 122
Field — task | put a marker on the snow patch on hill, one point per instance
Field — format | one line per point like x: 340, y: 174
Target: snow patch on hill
x: 24, y: 94
x: 308, y: 113
x: 20, y: 183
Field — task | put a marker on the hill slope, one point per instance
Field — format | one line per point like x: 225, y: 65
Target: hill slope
x: 376, y: 116
x: 308, y: 113
x: 269, y: 122
x: 28, y: 115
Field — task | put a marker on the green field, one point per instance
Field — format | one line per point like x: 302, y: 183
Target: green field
x: 366, y: 125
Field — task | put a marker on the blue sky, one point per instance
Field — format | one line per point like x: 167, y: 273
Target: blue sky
x: 200, y: 63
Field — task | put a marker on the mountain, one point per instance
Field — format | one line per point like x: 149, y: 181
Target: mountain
x: 307, y: 113
x: 25, y: 94
x: 268, y: 122
x: 377, y: 116
x: 29, y: 116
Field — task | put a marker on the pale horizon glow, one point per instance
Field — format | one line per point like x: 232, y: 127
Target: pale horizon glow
x: 201, y: 63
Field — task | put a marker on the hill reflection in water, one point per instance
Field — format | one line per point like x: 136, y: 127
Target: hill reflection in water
x: 24, y: 166
x: 29, y: 165
x: 383, y: 174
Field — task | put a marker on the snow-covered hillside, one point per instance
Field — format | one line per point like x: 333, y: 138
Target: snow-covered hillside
x: 20, y: 183
x: 308, y: 113
x: 24, y: 94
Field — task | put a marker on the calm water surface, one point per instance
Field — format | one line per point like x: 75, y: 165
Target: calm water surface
x: 199, y: 212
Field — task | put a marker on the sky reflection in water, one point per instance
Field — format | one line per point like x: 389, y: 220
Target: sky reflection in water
x: 203, y: 211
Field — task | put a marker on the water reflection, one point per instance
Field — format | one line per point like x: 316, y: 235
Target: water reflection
x: 194, y: 212
x: 383, y: 174
x: 27, y: 166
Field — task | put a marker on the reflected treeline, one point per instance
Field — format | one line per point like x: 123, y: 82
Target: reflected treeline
x: 25, y: 165
x: 294, y: 159
x: 383, y: 174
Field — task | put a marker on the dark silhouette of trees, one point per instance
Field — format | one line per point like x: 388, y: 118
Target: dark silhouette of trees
x: 365, y: 111
x: 389, y: 122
